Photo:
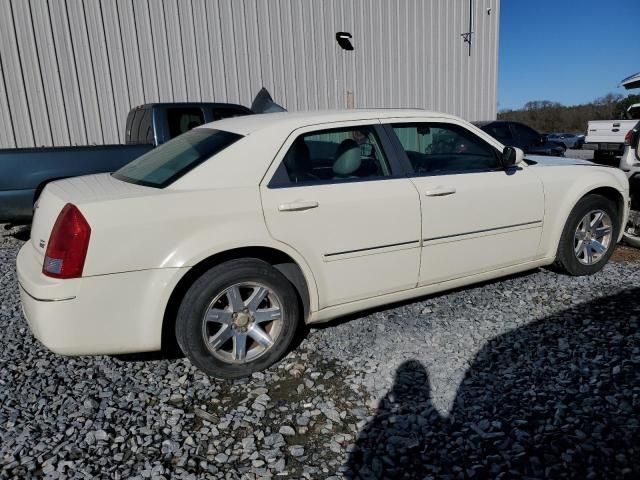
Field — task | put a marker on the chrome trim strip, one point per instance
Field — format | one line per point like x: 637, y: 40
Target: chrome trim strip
x: 45, y: 299
x: 371, y: 248
x: 483, y: 231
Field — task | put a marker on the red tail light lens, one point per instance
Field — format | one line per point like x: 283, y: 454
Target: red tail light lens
x: 68, y: 244
x: 628, y: 137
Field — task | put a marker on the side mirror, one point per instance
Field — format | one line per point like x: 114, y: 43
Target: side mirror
x: 512, y: 156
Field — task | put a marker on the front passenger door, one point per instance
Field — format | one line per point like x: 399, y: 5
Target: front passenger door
x: 476, y: 217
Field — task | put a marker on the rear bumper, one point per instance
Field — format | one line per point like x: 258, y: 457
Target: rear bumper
x: 616, y: 148
x: 16, y: 205
x: 105, y: 314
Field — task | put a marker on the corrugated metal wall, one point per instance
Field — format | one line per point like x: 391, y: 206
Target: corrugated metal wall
x: 70, y: 70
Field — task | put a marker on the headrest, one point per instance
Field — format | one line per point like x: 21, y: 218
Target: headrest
x: 298, y: 158
x: 347, y: 158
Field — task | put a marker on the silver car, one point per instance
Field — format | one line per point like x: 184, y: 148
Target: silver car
x: 569, y: 140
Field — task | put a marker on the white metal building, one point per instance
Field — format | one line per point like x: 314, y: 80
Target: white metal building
x: 70, y: 70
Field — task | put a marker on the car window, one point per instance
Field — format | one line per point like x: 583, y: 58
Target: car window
x: 220, y: 113
x: 435, y: 148
x: 165, y: 164
x: 633, y: 113
x: 500, y: 132
x: 183, y: 119
x: 334, y: 155
x: 528, y: 135
x: 139, y: 126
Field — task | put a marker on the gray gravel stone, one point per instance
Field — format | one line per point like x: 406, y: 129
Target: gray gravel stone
x: 296, y: 450
x: 287, y: 430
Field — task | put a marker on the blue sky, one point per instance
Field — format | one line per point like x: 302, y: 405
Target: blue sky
x: 568, y: 51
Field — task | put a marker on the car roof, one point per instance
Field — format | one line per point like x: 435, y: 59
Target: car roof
x: 484, y: 123
x: 292, y: 120
x: 190, y: 104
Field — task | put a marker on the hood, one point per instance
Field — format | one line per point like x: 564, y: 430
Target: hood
x: 556, y: 161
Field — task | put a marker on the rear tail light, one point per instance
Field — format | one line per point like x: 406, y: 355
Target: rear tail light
x: 628, y: 137
x: 68, y: 244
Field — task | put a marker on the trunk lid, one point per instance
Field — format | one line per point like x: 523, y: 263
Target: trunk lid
x: 79, y: 191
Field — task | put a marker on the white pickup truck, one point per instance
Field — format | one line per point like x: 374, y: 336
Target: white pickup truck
x: 606, y: 137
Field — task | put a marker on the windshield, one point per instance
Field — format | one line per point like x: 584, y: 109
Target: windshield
x: 165, y: 164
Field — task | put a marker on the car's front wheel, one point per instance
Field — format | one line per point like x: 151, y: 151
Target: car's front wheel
x: 589, y: 236
x: 239, y: 317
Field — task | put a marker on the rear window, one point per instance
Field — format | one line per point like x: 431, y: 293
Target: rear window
x: 165, y: 164
x: 183, y: 119
x: 140, y: 127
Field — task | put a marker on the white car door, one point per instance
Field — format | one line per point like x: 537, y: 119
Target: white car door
x: 336, y: 197
x: 476, y: 216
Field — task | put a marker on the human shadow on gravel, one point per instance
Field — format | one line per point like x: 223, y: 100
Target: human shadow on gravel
x: 557, y: 398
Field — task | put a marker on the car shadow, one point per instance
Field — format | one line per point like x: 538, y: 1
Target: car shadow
x: 556, y: 398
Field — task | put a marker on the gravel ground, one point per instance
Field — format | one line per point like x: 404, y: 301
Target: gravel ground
x: 536, y: 376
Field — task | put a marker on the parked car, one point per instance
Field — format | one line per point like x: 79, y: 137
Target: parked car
x: 232, y: 235
x: 606, y: 137
x: 521, y: 136
x: 630, y: 164
x: 24, y: 172
x: 569, y: 140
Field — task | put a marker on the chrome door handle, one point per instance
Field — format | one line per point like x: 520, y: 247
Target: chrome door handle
x: 297, y: 206
x: 440, y: 191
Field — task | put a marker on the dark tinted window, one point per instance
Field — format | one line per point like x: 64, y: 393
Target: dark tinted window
x: 526, y: 134
x: 139, y: 126
x: 441, y: 148
x: 499, y: 131
x: 333, y: 155
x: 182, y: 120
x: 165, y: 164
x: 220, y: 113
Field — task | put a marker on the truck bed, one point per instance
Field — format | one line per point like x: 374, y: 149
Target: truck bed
x: 25, y: 171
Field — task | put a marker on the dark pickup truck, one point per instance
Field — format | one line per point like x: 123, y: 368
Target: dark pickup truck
x: 25, y: 171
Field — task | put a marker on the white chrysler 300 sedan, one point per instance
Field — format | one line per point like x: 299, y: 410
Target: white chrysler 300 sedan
x: 229, y: 237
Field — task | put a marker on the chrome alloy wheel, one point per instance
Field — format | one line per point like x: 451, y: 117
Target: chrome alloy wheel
x: 242, y: 323
x: 593, y: 237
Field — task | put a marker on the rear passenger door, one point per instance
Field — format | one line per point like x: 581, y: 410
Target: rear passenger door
x: 337, y: 195
x: 476, y: 216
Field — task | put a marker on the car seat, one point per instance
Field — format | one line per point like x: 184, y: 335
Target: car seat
x: 347, y: 159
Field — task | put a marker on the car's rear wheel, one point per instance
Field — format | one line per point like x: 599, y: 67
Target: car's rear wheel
x: 589, y: 236
x: 238, y: 318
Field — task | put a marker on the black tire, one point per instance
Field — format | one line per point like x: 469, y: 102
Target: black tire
x: 566, y: 259
x: 197, y: 300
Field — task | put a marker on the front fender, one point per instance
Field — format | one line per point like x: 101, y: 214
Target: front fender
x: 564, y: 187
